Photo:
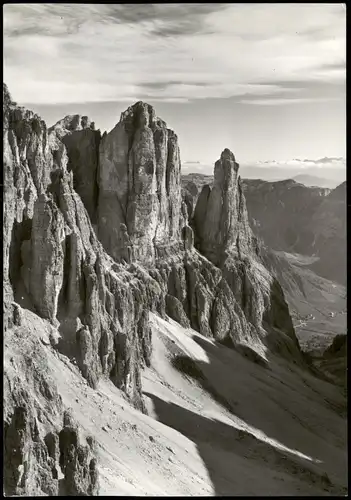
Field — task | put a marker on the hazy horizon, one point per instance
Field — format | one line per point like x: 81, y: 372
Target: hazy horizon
x: 267, y: 81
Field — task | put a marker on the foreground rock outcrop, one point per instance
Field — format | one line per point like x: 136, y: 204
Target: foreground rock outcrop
x: 96, y: 236
x: 45, y: 452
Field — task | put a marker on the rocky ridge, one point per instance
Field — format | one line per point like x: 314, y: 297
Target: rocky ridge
x: 96, y: 235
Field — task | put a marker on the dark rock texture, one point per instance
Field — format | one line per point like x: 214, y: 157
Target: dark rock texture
x: 35, y: 419
x: 77, y: 461
x: 26, y: 457
x: 32, y: 460
x: 82, y: 141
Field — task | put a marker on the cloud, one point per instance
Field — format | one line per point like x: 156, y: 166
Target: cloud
x: 280, y: 102
x: 61, y: 53
x: 336, y: 163
x: 336, y: 160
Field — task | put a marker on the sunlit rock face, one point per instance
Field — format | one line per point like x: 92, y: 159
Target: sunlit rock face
x: 139, y: 215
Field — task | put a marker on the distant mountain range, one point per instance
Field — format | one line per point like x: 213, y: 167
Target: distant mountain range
x: 311, y: 180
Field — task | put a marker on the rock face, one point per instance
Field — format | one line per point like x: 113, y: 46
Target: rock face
x: 288, y: 216
x: 279, y: 212
x: 227, y: 241
x: 32, y: 462
x: 101, y: 306
x: 64, y: 189
x: 45, y: 453
x: 139, y: 187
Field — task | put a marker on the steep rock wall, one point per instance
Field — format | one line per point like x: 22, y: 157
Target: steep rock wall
x: 224, y: 210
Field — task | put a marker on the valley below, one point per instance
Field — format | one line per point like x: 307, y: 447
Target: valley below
x: 318, y: 306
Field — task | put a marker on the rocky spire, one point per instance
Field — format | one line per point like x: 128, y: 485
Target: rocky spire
x: 224, y: 210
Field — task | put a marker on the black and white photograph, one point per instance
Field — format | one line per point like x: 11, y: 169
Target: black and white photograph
x: 174, y: 249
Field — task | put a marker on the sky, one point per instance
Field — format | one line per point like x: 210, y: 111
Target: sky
x: 267, y: 81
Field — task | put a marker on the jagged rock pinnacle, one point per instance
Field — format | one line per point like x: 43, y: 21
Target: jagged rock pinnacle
x: 223, y: 207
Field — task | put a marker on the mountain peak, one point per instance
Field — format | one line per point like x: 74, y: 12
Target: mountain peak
x: 227, y: 155
x: 225, y: 166
x: 141, y: 114
x: 72, y: 123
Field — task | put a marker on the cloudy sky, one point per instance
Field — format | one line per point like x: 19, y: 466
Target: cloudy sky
x: 265, y: 80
